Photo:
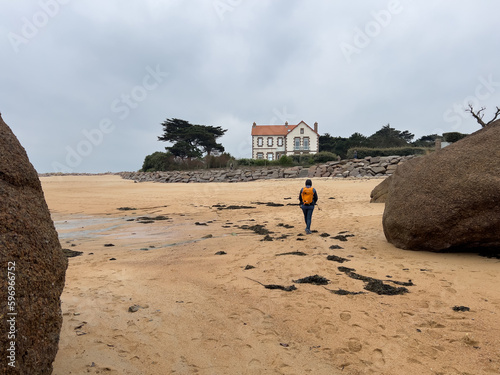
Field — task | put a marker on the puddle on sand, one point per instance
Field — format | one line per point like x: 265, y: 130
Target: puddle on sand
x: 86, y: 226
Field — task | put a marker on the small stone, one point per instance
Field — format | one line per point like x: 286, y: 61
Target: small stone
x: 134, y: 308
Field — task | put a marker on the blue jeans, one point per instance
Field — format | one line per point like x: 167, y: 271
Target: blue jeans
x: 308, y: 213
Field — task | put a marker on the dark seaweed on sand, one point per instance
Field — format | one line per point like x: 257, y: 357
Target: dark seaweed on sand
x: 281, y: 287
x: 461, y: 308
x: 343, y: 292
x: 275, y: 286
x: 270, y: 204
x: 299, y: 253
x: 258, y: 228
x: 375, y: 285
x: 337, y: 259
x: 71, y: 253
x: 335, y: 247
x: 315, y: 280
x: 288, y: 226
x: 343, y: 237
x: 282, y: 237
x: 232, y: 207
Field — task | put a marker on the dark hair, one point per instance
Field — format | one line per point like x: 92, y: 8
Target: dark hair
x: 309, y: 182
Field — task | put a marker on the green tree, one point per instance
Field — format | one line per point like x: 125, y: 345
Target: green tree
x: 426, y: 141
x: 390, y: 137
x: 191, y: 141
x: 336, y: 145
x: 358, y: 140
x: 453, y: 136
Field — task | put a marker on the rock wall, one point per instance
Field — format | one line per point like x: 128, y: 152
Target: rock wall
x: 378, y: 166
x: 215, y: 175
x: 367, y: 167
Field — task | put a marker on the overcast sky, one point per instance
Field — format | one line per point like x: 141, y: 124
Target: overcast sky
x: 85, y: 85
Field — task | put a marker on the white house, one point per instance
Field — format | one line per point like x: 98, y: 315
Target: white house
x: 273, y: 141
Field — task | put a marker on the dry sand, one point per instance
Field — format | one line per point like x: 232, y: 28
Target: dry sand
x: 201, y: 313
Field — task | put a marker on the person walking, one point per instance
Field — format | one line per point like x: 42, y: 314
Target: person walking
x: 308, y: 198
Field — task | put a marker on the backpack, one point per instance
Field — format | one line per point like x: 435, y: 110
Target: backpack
x: 307, y: 195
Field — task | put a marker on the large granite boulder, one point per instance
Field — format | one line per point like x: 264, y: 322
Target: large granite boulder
x: 450, y: 199
x: 379, y: 192
x: 33, y: 266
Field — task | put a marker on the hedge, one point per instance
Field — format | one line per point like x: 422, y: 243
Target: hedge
x: 363, y: 152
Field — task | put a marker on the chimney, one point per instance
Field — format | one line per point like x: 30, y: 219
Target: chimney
x: 254, y: 125
x: 316, y: 127
x: 286, y: 124
x: 438, y: 143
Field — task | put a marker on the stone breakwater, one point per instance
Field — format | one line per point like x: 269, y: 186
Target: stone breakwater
x: 379, y: 166
x: 375, y: 167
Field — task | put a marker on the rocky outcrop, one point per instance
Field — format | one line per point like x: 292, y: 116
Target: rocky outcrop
x: 379, y: 193
x: 33, y: 266
x: 449, y: 199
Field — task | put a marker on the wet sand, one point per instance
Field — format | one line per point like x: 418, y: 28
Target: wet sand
x: 175, y: 292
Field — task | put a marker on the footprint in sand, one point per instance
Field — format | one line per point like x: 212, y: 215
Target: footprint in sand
x: 354, y: 345
x: 378, y: 357
x: 254, y: 364
x: 345, y: 316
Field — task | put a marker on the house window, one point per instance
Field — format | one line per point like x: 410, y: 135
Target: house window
x: 260, y: 142
x: 301, y: 130
x: 270, y: 156
x: 270, y: 141
x: 306, y: 143
x: 260, y: 155
x: 280, y: 141
x: 296, y: 143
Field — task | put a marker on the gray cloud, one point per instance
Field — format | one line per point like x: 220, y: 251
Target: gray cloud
x: 78, y: 82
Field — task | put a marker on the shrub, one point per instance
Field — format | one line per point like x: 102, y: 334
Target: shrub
x: 453, y: 136
x: 158, y: 161
x: 285, y: 161
x: 363, y: 152
x: 324, y: 156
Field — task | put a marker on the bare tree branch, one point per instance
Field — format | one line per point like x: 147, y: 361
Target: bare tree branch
x: 478, y: 116
x: 497, y: 113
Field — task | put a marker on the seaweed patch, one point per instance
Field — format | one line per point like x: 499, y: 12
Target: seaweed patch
x: 315, y: 280
x: 337, y: 259
x: 275, y: 286
x: 343, y: 292
x: 299, y: 253
x: 376, y: 285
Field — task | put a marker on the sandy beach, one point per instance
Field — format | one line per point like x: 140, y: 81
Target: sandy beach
x: 153, y: 294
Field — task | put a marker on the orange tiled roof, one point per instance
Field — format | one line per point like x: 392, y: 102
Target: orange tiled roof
x: 272, y: 129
